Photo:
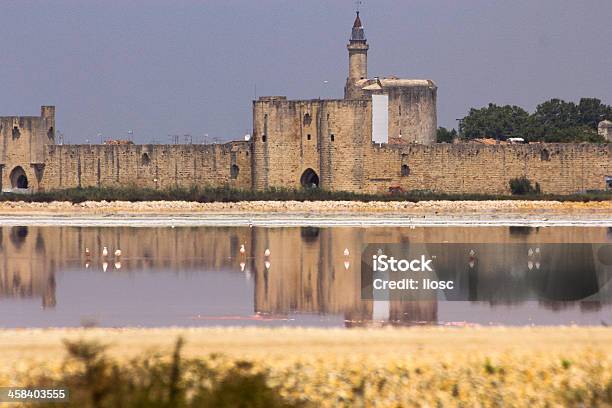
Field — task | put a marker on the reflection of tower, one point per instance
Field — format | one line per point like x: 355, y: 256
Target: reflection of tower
x: 25, y: 271
x: 413, y: 312
x: 308, y: 274
x: 48, y: 300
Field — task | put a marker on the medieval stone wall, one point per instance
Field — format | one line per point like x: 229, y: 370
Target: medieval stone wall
x: 333, y: 139
x: 330, y: 138
x: 151, y: 166
x: 472, y: 168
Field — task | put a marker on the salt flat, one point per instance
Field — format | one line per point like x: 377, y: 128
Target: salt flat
x: 298, y: 220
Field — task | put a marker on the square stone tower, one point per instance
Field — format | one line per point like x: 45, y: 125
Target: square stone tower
x: 22, y: 148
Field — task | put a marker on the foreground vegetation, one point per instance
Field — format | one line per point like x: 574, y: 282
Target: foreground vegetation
x: 539, y: 367
x: 221, y: 194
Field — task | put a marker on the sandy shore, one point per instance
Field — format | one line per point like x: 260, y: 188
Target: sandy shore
x: 313, y: 212
x: 293, y: 207
x: 429, y: 210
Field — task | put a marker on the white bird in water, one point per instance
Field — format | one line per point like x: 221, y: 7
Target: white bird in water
x: 267, y: 264
x: 242, y: 249
x: 104, y: 266
x: 87, y: 253
x: 346, y: 252
x: 105, y: 252
x: 242, y: 265
x: 117, y: 265
x: 267, y: 252
x: 117, y: 253
x: 347, y: 265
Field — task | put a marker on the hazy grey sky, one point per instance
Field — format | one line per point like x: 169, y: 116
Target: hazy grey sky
x: 177, y: 67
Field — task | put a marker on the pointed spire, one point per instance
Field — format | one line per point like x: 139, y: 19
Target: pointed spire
x: 357, y: 34
x: 357, y: 23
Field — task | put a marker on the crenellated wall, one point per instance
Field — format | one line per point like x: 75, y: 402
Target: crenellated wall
x: 333, y: 139
x: 473, y: 168
x: 150, y: 166
x: 330, y: 139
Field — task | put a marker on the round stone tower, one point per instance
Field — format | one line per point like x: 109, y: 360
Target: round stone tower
x: 605, y: 130
x: 358, y: 60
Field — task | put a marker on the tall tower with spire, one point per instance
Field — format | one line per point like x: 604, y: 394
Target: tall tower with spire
x: 358, y: 60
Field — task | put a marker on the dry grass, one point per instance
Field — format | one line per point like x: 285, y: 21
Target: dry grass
x: 565, y: 366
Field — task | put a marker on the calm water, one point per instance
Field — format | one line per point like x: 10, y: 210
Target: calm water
x: 198, y: 277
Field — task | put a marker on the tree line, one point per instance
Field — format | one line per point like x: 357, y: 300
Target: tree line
x: 554, y: 121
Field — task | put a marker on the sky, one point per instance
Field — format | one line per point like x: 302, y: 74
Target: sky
x: 161, y: 68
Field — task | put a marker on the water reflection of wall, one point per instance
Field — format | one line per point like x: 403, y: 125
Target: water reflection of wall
x: 31, y: 256
x: 307, y: 270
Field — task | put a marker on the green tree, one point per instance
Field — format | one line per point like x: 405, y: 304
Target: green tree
x: 555, y: 120
x: 443, y: 135
x: 556, y: 114
x: 592, y: 111
x: 565, y: 122
x: 493, y: 121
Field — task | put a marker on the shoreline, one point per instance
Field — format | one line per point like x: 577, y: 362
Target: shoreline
x: 315, y: 213
x: 258, y: 342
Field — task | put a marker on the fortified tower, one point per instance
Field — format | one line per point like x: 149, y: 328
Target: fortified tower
x: 23, y: 141
x: 604, y: 129
x: 358, y: 61
x: 404, y: 110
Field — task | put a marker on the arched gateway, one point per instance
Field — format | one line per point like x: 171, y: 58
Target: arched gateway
x: 309, y: 179
x: 18, y: 178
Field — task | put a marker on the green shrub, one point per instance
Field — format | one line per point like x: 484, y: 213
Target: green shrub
x: 223, y: 194
x: 522, y: 186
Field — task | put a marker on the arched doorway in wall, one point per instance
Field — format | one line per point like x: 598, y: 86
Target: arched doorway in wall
x: 309, y: 179
x: 19, y: 178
